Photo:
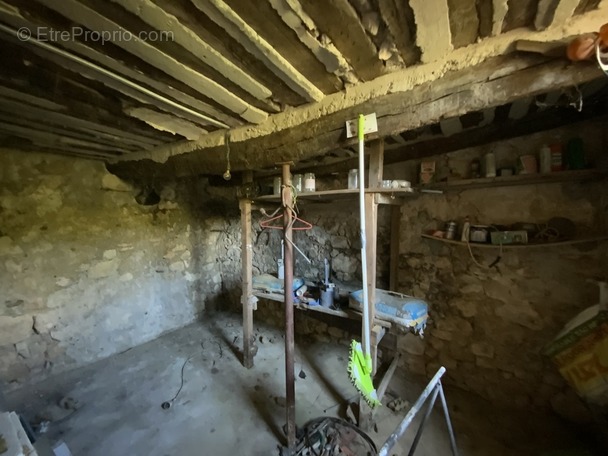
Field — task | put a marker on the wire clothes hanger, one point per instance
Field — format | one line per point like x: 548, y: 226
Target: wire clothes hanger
x: 302, y: 226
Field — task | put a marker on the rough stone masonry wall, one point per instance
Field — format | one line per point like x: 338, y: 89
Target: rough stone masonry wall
x: 489, y: 325
x: 86, y: 272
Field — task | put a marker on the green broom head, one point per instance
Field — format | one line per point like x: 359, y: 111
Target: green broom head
x: 360, y: 373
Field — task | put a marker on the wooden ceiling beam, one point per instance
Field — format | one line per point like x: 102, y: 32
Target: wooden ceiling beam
x: 52, y: 139
x: 86, y: 135
x: 86, y: 15
x: 340, y: 22
x: 399, y: 19
x: 164, y: 122
x: 267, y: 23
x: 499, y: 13
x: 472, y: 137
x: 161, y: 85
x: 230, y: 48
x: 456, y: 94
x: 55, y: 118
x: 158, y: 18
x: 554, y: 13
x: 433, y: 28
x: 225, y: 17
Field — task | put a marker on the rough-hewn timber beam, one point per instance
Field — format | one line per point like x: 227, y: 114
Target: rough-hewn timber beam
x: 456, y: 94
x: 499, y: 13
x: 339, y: 20
x: 88, y: 17
x: 482, y: 135
x: 399, y: 19
x: 236, y: 27
x: 433, y: 28
x: 161, y: 20
x: 13, y: 17
x: 165, y: 122
x: 554, y: 13
x: 295, y: 18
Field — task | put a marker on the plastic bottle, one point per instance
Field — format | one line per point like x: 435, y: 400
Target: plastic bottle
x: 466, y: 227
x: 556, y: 157
x: 490, y: 164
x: 545, y: 159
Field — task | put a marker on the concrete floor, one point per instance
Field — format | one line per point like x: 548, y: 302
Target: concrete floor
x: 225, y: 409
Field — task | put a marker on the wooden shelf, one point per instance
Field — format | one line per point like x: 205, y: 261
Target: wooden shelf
x: 521, y: 179
x: 347, y: 313
x: 330, y: 195
x: 476, y: 245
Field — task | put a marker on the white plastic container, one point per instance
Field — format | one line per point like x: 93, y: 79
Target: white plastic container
x: 353, y: 179
x: 309, y: 182
x: 489, y: 161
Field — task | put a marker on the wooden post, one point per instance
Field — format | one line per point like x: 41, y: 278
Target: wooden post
x: 394, y: 248
x: 290, y: 392
x: 247, y: 298
x: 376, y: 163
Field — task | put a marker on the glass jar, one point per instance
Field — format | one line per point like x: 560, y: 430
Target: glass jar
x: 297, y: 182
x: 309, y: 182
x: 276, y: 186
x: 353, y: 179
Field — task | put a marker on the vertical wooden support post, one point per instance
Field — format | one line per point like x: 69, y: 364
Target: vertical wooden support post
x: 290, y: 408
x: 394, y: 248
x: 376, y: 163
x: 247, y: 298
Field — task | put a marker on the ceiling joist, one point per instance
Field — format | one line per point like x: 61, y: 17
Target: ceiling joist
x: 452, y: 96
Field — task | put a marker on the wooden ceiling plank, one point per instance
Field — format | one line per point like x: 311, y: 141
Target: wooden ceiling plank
x: 433, y: 28
x: 56, y: 118
x: 266, y: 21
x: 55, y: 139
x: 165, y: 122
x: 17, y: 21
x: 340, y: 22
x: 91, y: 19
x: 8, y: 92
x: 158, y: 18
x: 399, y: 19
x: 86, y: 135
x: 230, y: 48
x: 554, y: 13
x: 108, y: 81
x: 421, y: 106
x: 499, y: 14
x: 51, y: 82
x: 296, y: 19
x: 225, y: 17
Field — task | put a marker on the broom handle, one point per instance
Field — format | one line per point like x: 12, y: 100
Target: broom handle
x: 366, y: 329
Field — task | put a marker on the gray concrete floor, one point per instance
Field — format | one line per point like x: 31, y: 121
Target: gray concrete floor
x: 225, y: 409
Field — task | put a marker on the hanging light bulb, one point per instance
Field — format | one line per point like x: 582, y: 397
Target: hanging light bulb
x: 227, y: 176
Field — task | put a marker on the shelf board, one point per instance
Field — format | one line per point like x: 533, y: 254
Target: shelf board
x: 521, y: 179
x: 330, y: 195
x: 477, y: 245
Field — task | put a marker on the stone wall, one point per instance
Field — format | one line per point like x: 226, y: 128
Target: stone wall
x: 489, y: 325
x: 86, y: 271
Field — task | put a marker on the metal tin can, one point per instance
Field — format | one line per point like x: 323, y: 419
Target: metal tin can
x: 450, y: 232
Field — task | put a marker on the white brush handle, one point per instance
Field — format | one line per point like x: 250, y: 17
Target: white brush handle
x: 366, y: 322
